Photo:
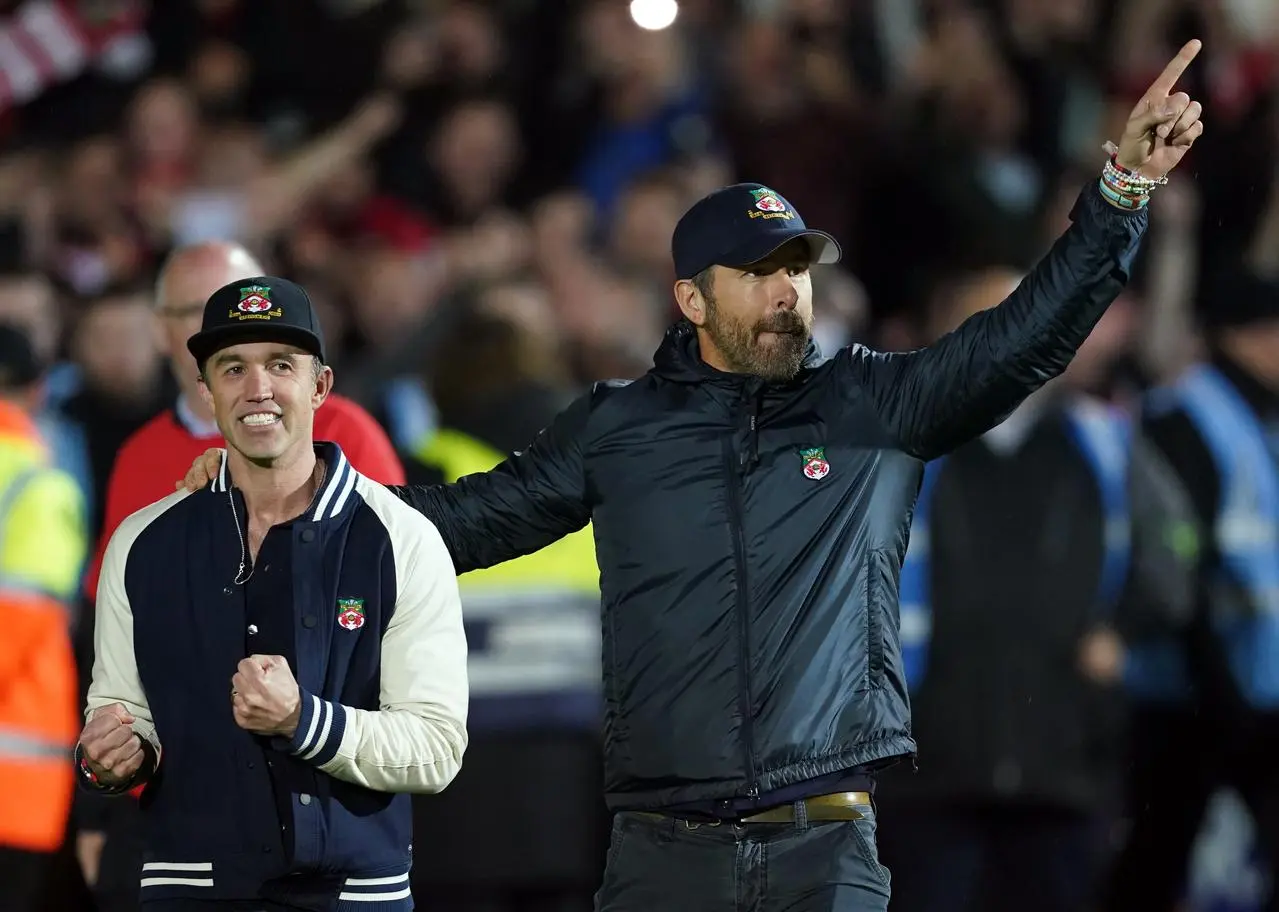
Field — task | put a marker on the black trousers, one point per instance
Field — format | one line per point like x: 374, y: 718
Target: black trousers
x: 523, y: 827
x: 1178, y: 759
x: 808, y: 866
x: 992, y: 859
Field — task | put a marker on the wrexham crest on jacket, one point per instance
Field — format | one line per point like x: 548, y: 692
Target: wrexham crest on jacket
x: 815, y: 465
x: 350, y: 613
x: 255, y: 304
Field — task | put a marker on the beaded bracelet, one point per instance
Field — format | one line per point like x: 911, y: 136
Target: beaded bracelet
x: 1123, y: 200
x: 1125, y: 188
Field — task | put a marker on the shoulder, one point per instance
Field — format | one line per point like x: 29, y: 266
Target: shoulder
x: 410, y: 533
x: 133, y: 527
x: 160, y: 447
x: 608, y: 400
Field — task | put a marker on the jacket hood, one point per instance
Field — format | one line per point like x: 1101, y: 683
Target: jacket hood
x: 678, y: 358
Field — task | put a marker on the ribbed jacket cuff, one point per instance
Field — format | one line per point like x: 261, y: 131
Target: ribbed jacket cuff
x: 320, y: 728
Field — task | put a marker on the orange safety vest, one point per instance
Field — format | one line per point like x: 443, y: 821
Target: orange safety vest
x: 39, y: 723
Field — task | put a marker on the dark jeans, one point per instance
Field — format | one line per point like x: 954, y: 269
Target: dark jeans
x: 992, y: 859
x: 673, y: 866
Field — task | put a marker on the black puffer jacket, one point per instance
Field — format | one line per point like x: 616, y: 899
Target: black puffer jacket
x: 750, y: 536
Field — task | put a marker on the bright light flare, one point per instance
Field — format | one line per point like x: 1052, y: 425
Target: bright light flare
x: 654, y: 14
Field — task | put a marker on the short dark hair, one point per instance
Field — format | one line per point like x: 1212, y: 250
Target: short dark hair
x: 704, y: 282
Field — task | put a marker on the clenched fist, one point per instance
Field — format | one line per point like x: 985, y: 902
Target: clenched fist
x: 264, y: 696
x: 114, y: 753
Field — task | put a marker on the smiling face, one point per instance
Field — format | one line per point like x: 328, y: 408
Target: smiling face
x: 264, y: 396
x: 755, y: 319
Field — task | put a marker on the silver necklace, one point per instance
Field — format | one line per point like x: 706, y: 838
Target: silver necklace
x: 241, y: 532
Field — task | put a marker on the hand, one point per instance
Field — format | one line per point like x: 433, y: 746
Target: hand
x: 264, y: 696
x: 1101, y: 656
x: 113, y: 752
x: 205, y: 467
x: 1162, y: 126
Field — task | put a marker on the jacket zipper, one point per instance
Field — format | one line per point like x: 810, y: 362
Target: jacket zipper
x: 735, y: 468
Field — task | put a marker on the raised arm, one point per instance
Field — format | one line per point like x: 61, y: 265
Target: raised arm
x: 935, y: 399
x: 534, y: 498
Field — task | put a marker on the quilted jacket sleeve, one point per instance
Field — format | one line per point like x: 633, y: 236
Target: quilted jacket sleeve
x: 937, y: 398
x: 533, y: 498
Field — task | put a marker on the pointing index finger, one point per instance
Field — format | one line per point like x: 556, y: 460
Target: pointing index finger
x: 1162, y: 86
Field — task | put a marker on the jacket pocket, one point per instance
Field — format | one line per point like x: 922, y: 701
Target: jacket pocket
x: 878, y: 594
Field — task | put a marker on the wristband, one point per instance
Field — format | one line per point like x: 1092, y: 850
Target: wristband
x: 93, y: 781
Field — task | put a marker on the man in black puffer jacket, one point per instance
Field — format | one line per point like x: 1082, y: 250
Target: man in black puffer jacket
x: 751, y: 505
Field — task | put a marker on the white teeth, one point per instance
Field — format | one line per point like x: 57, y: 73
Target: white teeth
x: 261, y: 419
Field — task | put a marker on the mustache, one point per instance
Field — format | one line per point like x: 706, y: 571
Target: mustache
x: 786, y: 322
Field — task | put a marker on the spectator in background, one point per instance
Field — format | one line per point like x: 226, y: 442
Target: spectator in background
x: 1210, y: 713
x: 143, y: 472
x: 122, y: 382
x: 652, y: 109
x: 1029, y: 547
x: 28, y: 302
x: 42, y: 550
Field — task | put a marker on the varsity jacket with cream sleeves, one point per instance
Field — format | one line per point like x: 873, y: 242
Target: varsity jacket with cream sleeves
x: 380, y: 657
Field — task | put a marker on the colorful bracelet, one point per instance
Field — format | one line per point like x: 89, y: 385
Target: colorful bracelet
x: 1123, y: 187
x: 1135, y: 177
x: 1122, y: 200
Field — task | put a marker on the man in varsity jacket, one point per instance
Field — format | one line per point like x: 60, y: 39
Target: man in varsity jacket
x: 277, y: 654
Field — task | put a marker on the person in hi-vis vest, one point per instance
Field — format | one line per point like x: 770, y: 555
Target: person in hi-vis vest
x: 42, y: 551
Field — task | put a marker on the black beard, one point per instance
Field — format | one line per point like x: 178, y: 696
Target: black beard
x: 739, y: 344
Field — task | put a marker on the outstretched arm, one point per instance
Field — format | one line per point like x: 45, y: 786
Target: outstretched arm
x: 935, y: 399
x: 531, y: 500
x: 534, y: 498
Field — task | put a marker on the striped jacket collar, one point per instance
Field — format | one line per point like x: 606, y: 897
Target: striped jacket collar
x: 334, y: 494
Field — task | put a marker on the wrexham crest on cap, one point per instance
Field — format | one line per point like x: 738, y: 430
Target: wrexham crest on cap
x: 350, y: 613
x: 767, y: 201
x: 769, y: 205
x: 255, y: 304
x: 815, y: 465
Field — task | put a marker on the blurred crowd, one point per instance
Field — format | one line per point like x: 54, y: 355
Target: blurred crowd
x: 479, y: 196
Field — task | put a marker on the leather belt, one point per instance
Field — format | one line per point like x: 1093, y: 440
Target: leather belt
x: 836, y: 806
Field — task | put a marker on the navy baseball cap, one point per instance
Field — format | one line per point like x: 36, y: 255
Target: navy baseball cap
x: 738, y: 225
x: 258, y: 309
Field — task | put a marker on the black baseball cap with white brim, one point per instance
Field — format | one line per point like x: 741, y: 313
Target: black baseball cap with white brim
x: 258, y: 309
x: 739, y: 225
